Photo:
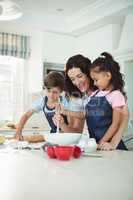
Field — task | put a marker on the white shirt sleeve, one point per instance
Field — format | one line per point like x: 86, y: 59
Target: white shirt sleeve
x: 38, y: 105
x: 73, y: 104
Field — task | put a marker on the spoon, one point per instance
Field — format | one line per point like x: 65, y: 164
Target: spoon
x: 58, y: 112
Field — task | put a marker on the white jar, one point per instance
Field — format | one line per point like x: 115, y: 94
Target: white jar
x: 83, y: 143
x: 91, y: 146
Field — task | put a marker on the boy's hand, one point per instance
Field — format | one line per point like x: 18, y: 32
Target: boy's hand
x: 19, y: 136
x: 105, y: 146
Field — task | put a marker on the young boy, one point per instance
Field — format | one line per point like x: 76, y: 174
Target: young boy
x: 54, y: 84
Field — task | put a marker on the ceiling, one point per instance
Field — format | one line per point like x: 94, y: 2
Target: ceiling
x: 72, y: 17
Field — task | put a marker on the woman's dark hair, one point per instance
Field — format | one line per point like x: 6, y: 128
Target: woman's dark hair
x: 77, y: 61
x: 107, y: 63
x: 54, y: 79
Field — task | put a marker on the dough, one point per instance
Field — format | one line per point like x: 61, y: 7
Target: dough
x: 34, y: 138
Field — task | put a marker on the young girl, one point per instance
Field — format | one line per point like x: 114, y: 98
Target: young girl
x: 105, y: 107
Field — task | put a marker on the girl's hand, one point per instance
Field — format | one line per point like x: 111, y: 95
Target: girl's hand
x: 105, y: 146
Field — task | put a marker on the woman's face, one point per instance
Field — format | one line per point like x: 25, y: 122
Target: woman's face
x: 79, y: 79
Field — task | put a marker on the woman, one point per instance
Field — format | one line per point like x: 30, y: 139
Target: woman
x: 78, y: 81
x: 75, y: 93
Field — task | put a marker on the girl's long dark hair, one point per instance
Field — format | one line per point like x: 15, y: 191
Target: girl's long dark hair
x: 77, y: 61
x: 107, y: 63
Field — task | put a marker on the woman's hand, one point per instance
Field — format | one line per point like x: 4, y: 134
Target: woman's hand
x: 58, y: 119
x: 105, y: 146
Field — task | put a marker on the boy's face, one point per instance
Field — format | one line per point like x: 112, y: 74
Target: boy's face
x: 53, y: 93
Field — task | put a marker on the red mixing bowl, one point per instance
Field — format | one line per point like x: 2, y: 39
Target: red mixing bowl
x: 64, y: 152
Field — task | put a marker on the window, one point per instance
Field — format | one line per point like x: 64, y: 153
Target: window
x: 11, y: 87
x: 6, y: 95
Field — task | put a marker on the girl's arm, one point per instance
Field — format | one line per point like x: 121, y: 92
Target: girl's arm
x: 116, y: 118
x: 123, y: 125
x: 118, y: 134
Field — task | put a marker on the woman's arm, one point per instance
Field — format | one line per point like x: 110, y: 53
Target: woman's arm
x: 78, y: 114
x: 75, y: 122
x: 76, y: 125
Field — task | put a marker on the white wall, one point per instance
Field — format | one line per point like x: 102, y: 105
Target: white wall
x: 113, y: 37
x: 128, y: 71
x: 126, y: 41
x: 47, y: 47
x: 57, y: 48
x: 93, y: 43
x: 35, y: 63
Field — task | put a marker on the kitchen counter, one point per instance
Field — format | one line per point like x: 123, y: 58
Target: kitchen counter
x: 10, y: 131
x: 31, y: 175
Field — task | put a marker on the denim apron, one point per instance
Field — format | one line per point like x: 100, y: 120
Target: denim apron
x: 99, y: 118
x: 49, y: 113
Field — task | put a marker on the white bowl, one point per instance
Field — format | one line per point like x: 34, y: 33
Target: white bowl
x: 63, y: 138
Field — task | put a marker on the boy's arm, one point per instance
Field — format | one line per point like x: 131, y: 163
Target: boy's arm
x: 21, y: 124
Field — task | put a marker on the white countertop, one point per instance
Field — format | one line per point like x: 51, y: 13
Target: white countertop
x: 25, y: 131
x: 31, y: 175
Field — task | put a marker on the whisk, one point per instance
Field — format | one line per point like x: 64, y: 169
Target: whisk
x: 58, y: 112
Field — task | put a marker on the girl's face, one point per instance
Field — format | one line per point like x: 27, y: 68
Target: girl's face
x: 79, y: 79
x: 101, y: 79
x: 53, y: 93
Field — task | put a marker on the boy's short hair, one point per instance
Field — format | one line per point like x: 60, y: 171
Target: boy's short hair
x: 54, y: 79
